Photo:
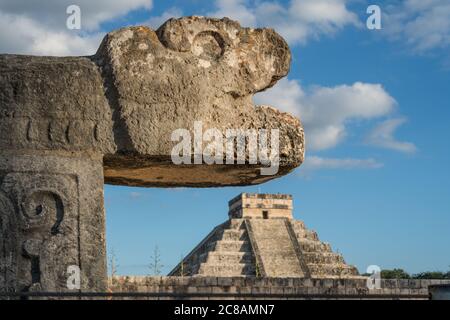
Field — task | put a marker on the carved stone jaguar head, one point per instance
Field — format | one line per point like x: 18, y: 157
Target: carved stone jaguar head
x: 196, y: 69
x: 124, y: 103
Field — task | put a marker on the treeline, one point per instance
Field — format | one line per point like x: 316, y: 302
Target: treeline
x: 402, y: 274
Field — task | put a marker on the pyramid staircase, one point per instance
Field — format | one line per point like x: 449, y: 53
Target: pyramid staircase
x: 320, y: 260
x: 224, y: 252
x: 264, y: 247
x: 275, y: 250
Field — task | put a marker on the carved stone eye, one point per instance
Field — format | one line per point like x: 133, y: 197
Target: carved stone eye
x: 208, y: 45
x: 40, y: 204
x: 39, y: 210
x: 44, y: 208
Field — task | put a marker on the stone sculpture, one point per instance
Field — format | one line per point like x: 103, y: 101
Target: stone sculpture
x: 70, y: 124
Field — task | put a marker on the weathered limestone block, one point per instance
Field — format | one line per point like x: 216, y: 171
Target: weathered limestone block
x: 51, y: 218
x: 192, y: 69
x: 67, y: 125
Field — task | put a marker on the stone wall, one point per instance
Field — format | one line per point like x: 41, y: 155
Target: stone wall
x: 131, y: 287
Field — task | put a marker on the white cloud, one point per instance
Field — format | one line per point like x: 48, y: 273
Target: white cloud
x: 157, y: 21
x: 237, y: 10
x: 39, y: 28
x: 316, y: 163
x: 423, y: 25
x: 31, y: 27
x: 22, y: 35
x: 135, y: 195
x: 327, y: 111
x: 52, y: 13
x: 297, y: 22
x: 383, y: 136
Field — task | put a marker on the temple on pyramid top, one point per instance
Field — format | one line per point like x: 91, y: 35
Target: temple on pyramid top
x: 261, y: 238
x: 262, y: 206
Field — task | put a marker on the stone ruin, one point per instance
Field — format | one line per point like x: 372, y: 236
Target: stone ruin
x: 262, y: 239
x: 70, y: 124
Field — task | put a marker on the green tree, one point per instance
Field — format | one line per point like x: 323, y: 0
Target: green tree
x: 394, y: 274
x: 431, y: 275
x: 401, y: 274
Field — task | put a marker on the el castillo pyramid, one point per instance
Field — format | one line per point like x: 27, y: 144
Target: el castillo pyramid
x: 261, y: 238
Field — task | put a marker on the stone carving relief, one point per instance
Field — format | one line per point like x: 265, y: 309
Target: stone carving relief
x: 8, y: 234
x: 45, y: 208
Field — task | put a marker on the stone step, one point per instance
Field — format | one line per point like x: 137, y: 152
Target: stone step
x: 233, y: 235
x: 275, y: 248
x: 307, y: 245
x: 298, y: 225
x: 307, y: 234
x: 223, y: 270
x: 323, y: 258
x: 236, y: 224
x: 229, y: 245
x: 332, y: 270
x: 227, y: 257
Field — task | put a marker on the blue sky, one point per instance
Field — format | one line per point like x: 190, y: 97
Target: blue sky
x: 395, y: 215
x: 375, y: 105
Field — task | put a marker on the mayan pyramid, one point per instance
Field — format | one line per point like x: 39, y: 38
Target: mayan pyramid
x: 261, y: 238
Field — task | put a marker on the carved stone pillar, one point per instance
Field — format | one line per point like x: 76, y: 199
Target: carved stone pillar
x: 51, y: 222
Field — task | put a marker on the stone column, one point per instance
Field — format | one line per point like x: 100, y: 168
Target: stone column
x: 52, y: 222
